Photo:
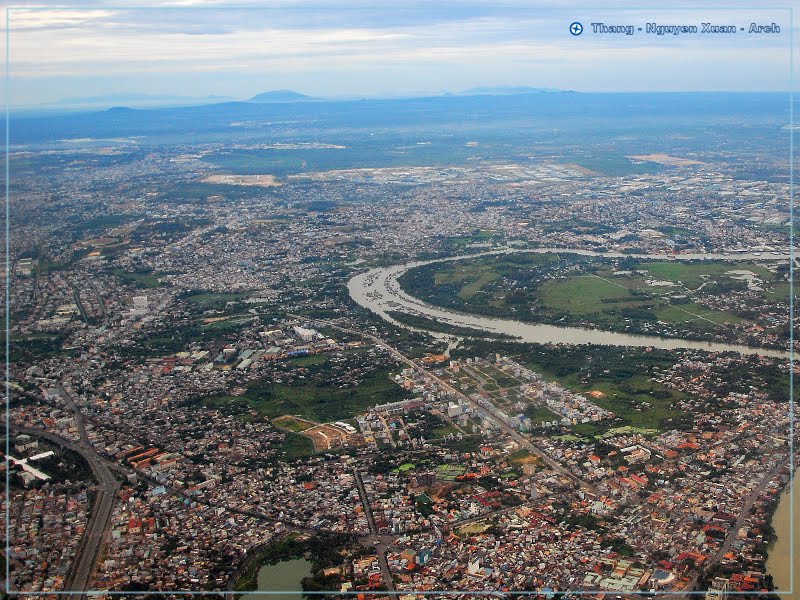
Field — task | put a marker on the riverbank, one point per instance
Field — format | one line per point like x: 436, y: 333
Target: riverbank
x: 780, y: 562
x: 379, y: 291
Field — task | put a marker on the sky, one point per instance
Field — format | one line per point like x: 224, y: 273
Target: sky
x: 198, y: 48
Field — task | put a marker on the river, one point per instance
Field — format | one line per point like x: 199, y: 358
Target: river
x: 285, y: 576
x: 780, y: 551
x: 379, y: 291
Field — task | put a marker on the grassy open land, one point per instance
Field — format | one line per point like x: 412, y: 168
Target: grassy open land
x: 537, y: 414
x: 779, y: 292
x: 441, y: 432
x: 500, y: 377
x: 469, y: 277
x: 523, y: 457
x: 321, y: 403
x: 375, y: 152
x: 632, y: 295
x: 449, y: 472
x: 696, y: 313
x: 213, y: 300
x: 615, y: 165
x: 297, y: 446
x: 606, y: 301
x: 310, y: 360
x: 140, y: 279
x: 292, y: 424
x: 228, y: 324
x: 693, y: 274
x: 584, y: 294
x: 635, y: 400
x: 472, y: 528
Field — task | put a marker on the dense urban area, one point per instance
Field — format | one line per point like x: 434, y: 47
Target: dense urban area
x: 415, y: 358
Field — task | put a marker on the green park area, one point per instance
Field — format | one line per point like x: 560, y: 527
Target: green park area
x: 612, y: 303
x: 694, y: 274
x: 213, y: 300
x: 472, y: 528
x: 635, y: 400
x: 585, y: 294
x: 293, y: 424
x: 140, y: 279
x: 319, y: 402
x: 537, y: 414
x: 297, y: 446
x: 449, y: 472
x: 405, y: 468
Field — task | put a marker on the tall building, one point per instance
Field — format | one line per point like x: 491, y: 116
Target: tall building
x: 719, y: 589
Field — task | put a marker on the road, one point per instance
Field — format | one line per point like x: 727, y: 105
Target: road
x: 513, y: 433
x: 744, y: 513
x: 95, y: 529
x: 379, y: 542
x: 76, y: 295
x: 79, y: 576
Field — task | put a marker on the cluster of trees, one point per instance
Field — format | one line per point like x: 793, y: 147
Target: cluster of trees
x: 324, y: 550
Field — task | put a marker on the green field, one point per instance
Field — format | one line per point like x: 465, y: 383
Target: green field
x: 700, y: 315
x: 616, y: 165
x: 537, y: 414
x: 693, y: 274
x: 449, y: 472
x: 441, y: 432
x: 584, y: 294
x: 228, y: 324
x: 622, y: 294
x: 140, y: 279
x: 625, y: 397
x: 291, y: 424
x: 472, y: 528
x: 310, y: 360
x: 212, y: 300
x: 297, y: 446
x: 319, y: 403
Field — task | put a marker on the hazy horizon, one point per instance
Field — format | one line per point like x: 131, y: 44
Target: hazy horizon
x: 356, y: 51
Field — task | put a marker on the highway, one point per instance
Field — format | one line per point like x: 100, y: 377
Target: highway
x: 83, y: 566
x: 378, y: 541
x: 78, y: 578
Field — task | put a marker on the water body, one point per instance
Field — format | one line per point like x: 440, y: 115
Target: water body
x: 779, y: 552
x: 285, y: 576
x: 378, y: 291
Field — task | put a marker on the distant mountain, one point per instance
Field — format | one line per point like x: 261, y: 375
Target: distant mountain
x: 281, y: 96
x: 506, y: 90
x: 135, y: 99
x: 504, y: 112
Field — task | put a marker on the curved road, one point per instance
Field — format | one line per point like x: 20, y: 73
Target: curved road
x: 82, y: 568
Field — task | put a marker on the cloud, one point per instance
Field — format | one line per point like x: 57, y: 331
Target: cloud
x: 469, y: 44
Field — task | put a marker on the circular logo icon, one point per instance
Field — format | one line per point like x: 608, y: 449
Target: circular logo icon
x: 576, y: 28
